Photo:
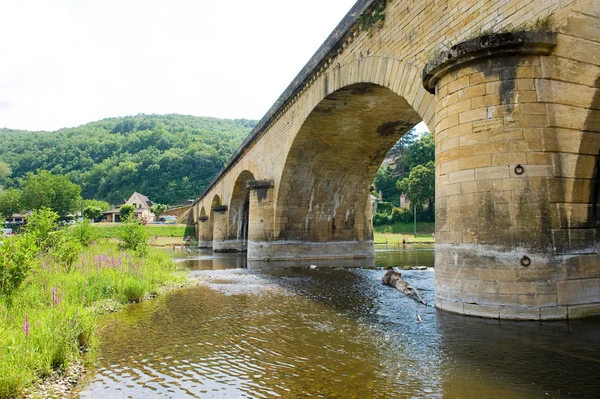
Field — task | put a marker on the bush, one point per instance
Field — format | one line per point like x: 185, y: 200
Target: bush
x: 133, y: 236
x: 380, y: 219
x: 400, y: 215
x: 126, y: 211
x: 384, y: 207
x: 83, y: 233
x: 40, y: 226
x: 92, y: 212
x: 17, y: 257
x: 66, y: 249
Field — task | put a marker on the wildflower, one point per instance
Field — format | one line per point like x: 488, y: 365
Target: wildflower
x: 25, y: 326
x: 55, y: 298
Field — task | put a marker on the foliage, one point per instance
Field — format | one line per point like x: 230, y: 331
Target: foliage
x: 5, y: 170
x: 133, y: 235
x: 51, y: 320
x: 167, y: 157
x: 107, y: 230
x: 420, y: 152
x: 17, y: 256
x: 158, y: 209
x: 83, y: 233
x: 384, y: 207
x: 92, y: 212
x: 102, y: 205
x: 126, y: 211
x: 10, y: 202
x: 397, y: 215
x: 420, y: 186
x: 40, y: 226
x: 57, y: 192
x: 385, y: 181
x: 372, y: 18
x: 65, y: 249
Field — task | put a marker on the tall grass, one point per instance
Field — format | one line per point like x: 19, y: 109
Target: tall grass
x: 49, y: 321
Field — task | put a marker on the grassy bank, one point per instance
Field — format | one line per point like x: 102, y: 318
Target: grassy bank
x: 394, y: 233
x: 110, y: 230
x: 48, y: 319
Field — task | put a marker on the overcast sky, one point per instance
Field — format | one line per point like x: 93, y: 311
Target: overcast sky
x: 69, y: 62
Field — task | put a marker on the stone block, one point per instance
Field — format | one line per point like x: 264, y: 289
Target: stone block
x: 583, y: 311
x: 475, y: 162
x: 553, y: 312
x: 519, y: 313
x: 492, y: 172
x: 488, y: 311
x: 578, y: 292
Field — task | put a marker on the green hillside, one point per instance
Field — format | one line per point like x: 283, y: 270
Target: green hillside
x: 166, y: 157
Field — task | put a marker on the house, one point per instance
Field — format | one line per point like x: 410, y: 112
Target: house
x: 404, y: 201
x: 141, y: 205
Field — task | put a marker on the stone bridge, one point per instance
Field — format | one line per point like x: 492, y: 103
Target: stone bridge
x: 510, y: 91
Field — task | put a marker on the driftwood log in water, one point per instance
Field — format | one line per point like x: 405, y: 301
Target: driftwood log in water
x: 394, y: 279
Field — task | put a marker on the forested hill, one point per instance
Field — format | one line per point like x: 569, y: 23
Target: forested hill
x: 166, y: 157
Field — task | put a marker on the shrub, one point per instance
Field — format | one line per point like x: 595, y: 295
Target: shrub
x: 126, y: 211
x: 17, y: 257
x: 400, y: 215
x: 83, y: 233
x: 40, y: 226
x: 92, y: 212
x: 133, y: 235
x: 380, y: 219
x: 384, y: 207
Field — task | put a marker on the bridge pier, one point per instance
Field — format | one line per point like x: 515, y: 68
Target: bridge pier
x: 219, y: 235
x: 204, y: 233
x: 501, y: 251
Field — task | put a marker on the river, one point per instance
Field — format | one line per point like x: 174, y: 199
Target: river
x: 255, y: 331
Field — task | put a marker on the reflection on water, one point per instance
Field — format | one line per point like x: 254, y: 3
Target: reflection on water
x: 297, y: 332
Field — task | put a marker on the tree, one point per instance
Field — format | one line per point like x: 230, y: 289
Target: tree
x: 157, y: 210
x: 56, y: 192
x: 92, y: 212
x: 419, y: 186
x: 103, y: 205
x: 385, y: 182
x: 126, y: 211
x: 419, y: 152
x: 5, y: 170
x: 10, y: 202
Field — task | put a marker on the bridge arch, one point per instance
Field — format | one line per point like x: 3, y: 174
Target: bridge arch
x: 238, y: 212
x: 323, y: 193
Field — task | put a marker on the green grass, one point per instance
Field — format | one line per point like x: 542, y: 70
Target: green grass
x: 394, y: 233
x: 61, y: 308
x: 109, y: 230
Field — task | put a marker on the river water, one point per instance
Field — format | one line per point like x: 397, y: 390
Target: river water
x: 291, y: 331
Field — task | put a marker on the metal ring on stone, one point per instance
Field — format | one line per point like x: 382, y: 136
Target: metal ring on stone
x: 525, y: 260
x: 519, y: 169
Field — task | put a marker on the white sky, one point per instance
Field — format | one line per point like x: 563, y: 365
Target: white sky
x: 68, y: 62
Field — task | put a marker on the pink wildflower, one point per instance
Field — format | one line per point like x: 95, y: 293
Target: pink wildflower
x: 25, y: 326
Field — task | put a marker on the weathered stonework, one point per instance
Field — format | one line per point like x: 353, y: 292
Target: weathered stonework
x: 516, y: 121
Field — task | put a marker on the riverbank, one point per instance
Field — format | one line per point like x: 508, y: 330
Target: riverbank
x: 50, y: 322
x: 394, y: 234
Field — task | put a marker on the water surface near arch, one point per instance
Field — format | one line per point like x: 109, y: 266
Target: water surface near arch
x: 297, y: 332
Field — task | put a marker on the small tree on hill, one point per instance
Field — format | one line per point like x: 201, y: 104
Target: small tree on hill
x: 157, y: 210
x: 126, y: 211
x: 10, y: 202
x: 92, y: 212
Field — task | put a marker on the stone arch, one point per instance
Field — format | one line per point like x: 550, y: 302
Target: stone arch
x: 324, y: 186
x: 239, y: 208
